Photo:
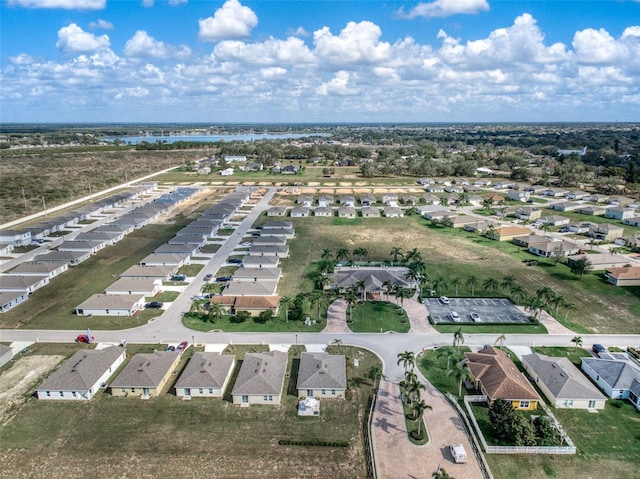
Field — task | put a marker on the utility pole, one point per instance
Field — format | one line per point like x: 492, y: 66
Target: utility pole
x: 44, y: 206
x: 24, y: 197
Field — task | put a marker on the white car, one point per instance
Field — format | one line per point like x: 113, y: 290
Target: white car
x: 458, y: 453
x: 474, y: 317
x: 444, y: 300
x: 454, y: 316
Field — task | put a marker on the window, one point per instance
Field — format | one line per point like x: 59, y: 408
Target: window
x: 123, y: 390
x: 324, y: 391
x: 333, y: 392
x: 133, y: 390
x: 61, y: 394
x: 48, y: 394
x: 200, y: 391
x: 592, y: 404
x: 524, y: 404
x: 210, y: 390
x: 567, y: 402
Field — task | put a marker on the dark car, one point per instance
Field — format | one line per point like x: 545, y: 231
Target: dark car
x: 598, y: 348
x: 182, y: 346
x: 171, y: 348
x: 178, y: 277
x: 208, y: 277
x: 235, y: 261
x: 84, y: 338
x: 563, y: 230
x: 154, y: 305
x: 223, y: 279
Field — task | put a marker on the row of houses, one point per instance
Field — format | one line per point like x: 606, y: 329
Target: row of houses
x: 126, y: 296
x: 260, y: 379
x: 341, y: 212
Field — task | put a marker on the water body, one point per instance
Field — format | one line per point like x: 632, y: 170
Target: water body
x: 134, y: 140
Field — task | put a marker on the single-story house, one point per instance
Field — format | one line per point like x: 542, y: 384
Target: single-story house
x: 462, y: 221
x: 374, y: 278
x: 89, y: 245
x: 454, y: 189
x: 261, y: 378
x: 277, y: 211
x: 347, y: 212
x: 409, y: 200
x: 39, y: 269
x: 426, y: 181
x: 226, y: 172
x: 72, y: 258
x: 197, y: 239
x: 181, y: 249
x: 347, y: 200
x: 526, y: 241
x: 110, y: 237
x: 580, y: 228
x: 623, y: 276
x: 11, y: 299
x: 620, y: 201
x: 597, y: 198
x: 325, y: 200
x: 547, y: 249
x: 15, y: 237
x: 619, y: 379
x: 135, y: 286
x: 605, y: 231
x: 305, y: 200
x: 368, y: 200
x: 6, y: 248
x: 165, y: 259
x: 576, y: 195
x: 300, y: 212
x: 479, y: 227
x: 323, y: 211
x: 555, y: 220
x: 277, y: 225
x: 497, y: 377
x: 535, y: 189
x: 253, y: 288
x: 592, y: 210
x: 111, y: 305
x: 389, y: 199
x: 482, y: 182
x: 619, y: 213
x: 269, y: 240
x: 29, y: 284
x: 600, y: 261
x: 562, y: 383
x: 554, y: 192
x: 370, y: 212
x: 289, y: 170
x: 507, y: 233
x: 146, y: 374
x: 527, y: 213
x: 260, y: 261
x: 566, y: 206
x: 502, y: 185
x: 437, y: 214
x: 518, y: 195
x: 633, y: 221
x: 160, y: 272
x: 82, y: 375
x: 393, y: 212
x: 281, y: 251
x: 322, y: 376
x: 431, y: 200
x: 495, y: 199
x: 206, y: 375
x: 254, y: 305
x: 255, y: 274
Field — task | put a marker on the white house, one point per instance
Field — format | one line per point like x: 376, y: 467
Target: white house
x: 135, y: 286
x: 518, y: 195
x: 226, y: 172
x: 111, y: 305
x: 12, y: 284
x: 82, y: 375
x: 11, y: 299
x: 618, y: 378
x: 619, y: 213
x: 39, y: 269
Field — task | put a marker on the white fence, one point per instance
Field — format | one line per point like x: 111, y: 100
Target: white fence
x: 569, y: 449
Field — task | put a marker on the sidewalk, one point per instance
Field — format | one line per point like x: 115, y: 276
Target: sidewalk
x: 399, y: 458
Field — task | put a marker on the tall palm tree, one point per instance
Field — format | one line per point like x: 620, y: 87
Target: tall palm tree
x: 316, y: 299
x: 456, y: 282
x: 439, y: 283
x: 501, y: 340
x: 362, y: 286
x: 342, y: 254
x: 388, y: 287
x: 508, y: 282
x: 356, y: 253
x: 408, y: 360
x: 450, y: 354
x: 545, y: 293
x: 286, y: 302
x: 460, y: 373
x: 557, y: 300
x: 405, y: 293
x: 396, y: 252
x: 490, y: 284
x: 517, y: 292
x: 197, y: 307
x: 568, y: 307
x: 351, y: 300
x: 216, y: 310
x: 472, y: 282
x: 413, y: 255
x: 458, y: 338
x: 364, y: 252
x: 326, y: 254
x: 418, y: 408
x: 577, y: 341
x: 418, y: 266
x: 414, y: 389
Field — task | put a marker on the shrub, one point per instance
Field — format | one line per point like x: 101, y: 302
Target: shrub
x: 313, y: 442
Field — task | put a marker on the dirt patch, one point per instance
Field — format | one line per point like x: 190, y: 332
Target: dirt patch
x: 16, y: 382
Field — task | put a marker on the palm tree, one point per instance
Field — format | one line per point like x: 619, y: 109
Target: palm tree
x: 414, y: 388
x: 501, y: 340
x: 197, y: 307
x: 216, y: 310
x: 209, y: 288
x: 351, y: 300
x: 396, y: 252
x: 413, y: 255
x: 315, y: 299
x: 364, y: 252
x: 456, y: 282
x: 460, y: 373
x: 326, y: 254
x: 472, y: 282
x: 508, y: 282
x: 286, y: 302
x: 357, y: 253
x: 418, y: 408
x: 490, y: 284
x: 362, y: 286
x: 388, y: 286
x: 557, y: 300
x: 408, y: 359
x: 418, y: 266
x: 577, y: 340
x: 545, y: 293
x: 568, y: 307
x: 458, y: 338
x: 439, y: 283
x: 441, y: 473
x: 342, y: 254
x: 517, y: 292
x: 535, y: 305
x: 404, y: 293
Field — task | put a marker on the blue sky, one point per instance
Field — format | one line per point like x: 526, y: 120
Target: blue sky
x: 319, y: 61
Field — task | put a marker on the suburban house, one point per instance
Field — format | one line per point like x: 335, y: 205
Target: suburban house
x: 111, y: 305
x: 28, y: 284
x: 234, y: 158
x: 527, y: 213
x: 390, y: 199
x: 15, y: 237
x: 347, y: 201
x: 269, y: 240
x: 619, y: 213
x: 325, y: 200
x: 88, y: 245
x: 347, y: 212
x: 6, y: 248
x: 160, y: 272
x: 300, y: 212
x: 261, y: 378
x: 109, y: 237
x: 253, y: 274
x: 535, y: 189
x: 289, y: 170
x: 507, y: 233
x: 580, y: 228
x: 370, y: 212
x: 277, y: 211
x: 39, y: 269
x: 633, y: 221
x: 555, y: 220
x: 254, y: 288
x: 479, y: 227
x: 437, y: 213
x: 409, y: 200
x: 367, y: 200
x: 72, y: 258
x: 434, y: 188
x: 135, y: 286
x: 146, y: 374
x: 592, y: 210
x: 600, y: 261
x: 11, y: 299
x: 321, y: 376
x: 547, y: 249
x: 305, y: 200
x: 431, y: 200
x: 254, y: 305
x: 323, y: 211
x: 165, y: 259
x: 620, y: 201
x: 618, y: 378
x: 566, y: 206
x: 554, y: 192
x: 454, y: 189
x: 518, y: 195
x: 598, y: 198
x: 605, y: 231
x: 623, y: 276
x: 562, y: 383
x: 576, y: 195
x: 375, y: 279
x: 462, y: 221
x: 495, y: 199
x: 497, y: 377
x: 188, y: 248
x: 198, y: 239
x: 82, y: 375
x: 206, y: 375
x: 226, y: 172
x: 260, y: 261
x: 281, y: 251
x: 277, y: 225
x: 393, y: 212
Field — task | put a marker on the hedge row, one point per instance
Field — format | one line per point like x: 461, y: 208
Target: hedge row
x: 313, y: 442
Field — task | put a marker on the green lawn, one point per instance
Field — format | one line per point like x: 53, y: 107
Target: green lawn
x: 493, y: 328
x: 167, y: 434
x: 377, y: 317
x: 628, y: 230
x: 210, y: 248
x: 481, y: 413
x: 166, y: 297
x: 433, y: 365
x: 190, y: 269
x: 275, y: 326
x: 572, y: 353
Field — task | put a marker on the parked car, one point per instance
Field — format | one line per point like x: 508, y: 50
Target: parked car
x: 474, y: 317
x: 235, y: 261
x: 223, y: 279
x: 598, y: 348
x: 208, y: 277
x: 458, y: 453
x: 170, y: 348
x: 178, y: 277
x: 153, y: 305
x: 564, y: 229
x: 454, y: 316
x: 182, y: 346
x: 444, y: 300
x: 84, y: 338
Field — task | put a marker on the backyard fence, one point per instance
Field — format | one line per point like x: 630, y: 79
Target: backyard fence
x: 569, y: 449
x: 372, y: 472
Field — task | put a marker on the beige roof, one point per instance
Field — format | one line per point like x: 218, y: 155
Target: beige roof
x: 206, y: 370
x: 322, y: 371
x: 31, y: 268
x: 19, y: 282
x: 265, y: 261
x: 252, y: 274
x: 146, y: 370
x: 246, y: 303
x: 253, y: 288
x: 261, y: 373
x: 625, y: 272
x: 133, y: 284
x: 111, y: 301
x: 138, y: 271
x: 499, y: 376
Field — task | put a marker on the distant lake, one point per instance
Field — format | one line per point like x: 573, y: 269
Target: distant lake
x: 134, y: 140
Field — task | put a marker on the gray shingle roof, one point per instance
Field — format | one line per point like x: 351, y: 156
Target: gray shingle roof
x: 373, y: 278
x: 322, y: 371
x: 617, y: 374
x: 562, y: 378
x: 261, y: 373
x: 253, y: 274
x: 145, y: 370
x: 206, y: 370
x: 82, y: 370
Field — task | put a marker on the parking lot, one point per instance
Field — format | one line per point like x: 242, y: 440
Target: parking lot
x: 489, y: 310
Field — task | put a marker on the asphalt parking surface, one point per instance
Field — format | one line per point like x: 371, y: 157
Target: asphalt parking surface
x: 490, y: 310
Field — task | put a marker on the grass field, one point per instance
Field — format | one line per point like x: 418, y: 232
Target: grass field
x: 128, y: 437
x: 278, y: 325
x: 453, y: 253
x: 493, y: 328
x: 572, y: 354
x: 378, y: 316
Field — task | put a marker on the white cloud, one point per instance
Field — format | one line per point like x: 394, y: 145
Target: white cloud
x: 72, y: 38
x: 290, y: 51
x: 22, y: 59
x: 143, y: 45
x: 338, y: 85
x: 298, y: 32
x: 135, y: 92
x: 356, y: 43
x: 148, y: 3
x: 597, y: 46
x: 446, y: 8
x: 63, y: 4
x: 101, y: 24
x: 273, y: 72
x: 232, y: 20
x: 177, y: 2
